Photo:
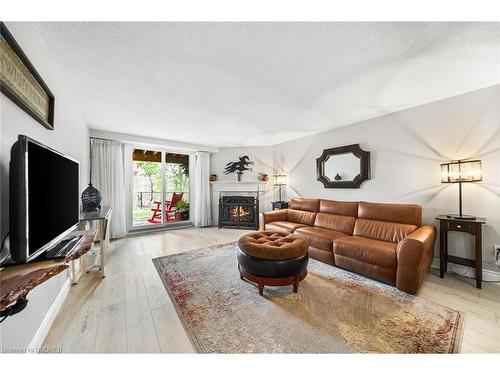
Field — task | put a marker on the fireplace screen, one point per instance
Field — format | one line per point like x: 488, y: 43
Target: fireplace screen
x: 236, y: 211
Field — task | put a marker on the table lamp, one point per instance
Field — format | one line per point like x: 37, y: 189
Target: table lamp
x: 280, y: 180
x: 458, y: 172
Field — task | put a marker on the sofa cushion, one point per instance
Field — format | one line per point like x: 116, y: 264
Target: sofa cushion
x: 395, y: 213
x: 338, y: 223
x: 325, y: 256
x: 387, y: 275
x: 366, y: 250
x: 382, y: 230
x: 304, y: 204
x: 302, y: 217
x: 338, y: 208
x: 282, y: 226
x: 318, y: 237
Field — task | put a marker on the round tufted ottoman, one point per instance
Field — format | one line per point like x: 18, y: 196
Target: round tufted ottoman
x: 275, y: 259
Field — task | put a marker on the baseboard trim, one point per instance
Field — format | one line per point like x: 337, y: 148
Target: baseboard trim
x: 142, y: 231
x: 488, y: 275
x: 43, y: 330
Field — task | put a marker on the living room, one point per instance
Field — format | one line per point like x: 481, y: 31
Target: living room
x: 250, y: 187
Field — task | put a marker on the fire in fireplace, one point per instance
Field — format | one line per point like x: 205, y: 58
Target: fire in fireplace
x: 239, y: 211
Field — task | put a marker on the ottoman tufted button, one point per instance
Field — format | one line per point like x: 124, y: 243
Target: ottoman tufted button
x: 271, y: 258
x: 272, y: 245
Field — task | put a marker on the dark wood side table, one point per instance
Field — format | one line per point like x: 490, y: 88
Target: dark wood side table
x: 474, y: 227
x: 279, y: 205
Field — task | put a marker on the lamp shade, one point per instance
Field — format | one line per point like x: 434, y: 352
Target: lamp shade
x: 280, y: 179
x: 461, y: 171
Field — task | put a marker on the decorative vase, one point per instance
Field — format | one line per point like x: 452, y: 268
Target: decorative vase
x: 265, y: 177
x: 91, y: 199
x: 213, y: 177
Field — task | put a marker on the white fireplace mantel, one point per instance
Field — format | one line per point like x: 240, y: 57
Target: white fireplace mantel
x: 240, y: 185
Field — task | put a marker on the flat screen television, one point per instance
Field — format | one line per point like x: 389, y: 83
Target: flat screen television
x: 44, y: 198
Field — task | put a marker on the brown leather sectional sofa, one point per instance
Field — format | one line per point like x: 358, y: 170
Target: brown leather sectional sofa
x: 383, y: 241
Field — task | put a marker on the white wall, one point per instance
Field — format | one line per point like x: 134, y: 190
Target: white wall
x: 70, y: 137
x: 406, y: 150
x: 152, y: 142
x: 261, y: 156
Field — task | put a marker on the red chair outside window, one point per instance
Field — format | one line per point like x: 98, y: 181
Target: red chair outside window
x: 169, y: 209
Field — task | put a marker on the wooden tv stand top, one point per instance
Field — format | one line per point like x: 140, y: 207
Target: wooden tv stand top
x: 18, y: 280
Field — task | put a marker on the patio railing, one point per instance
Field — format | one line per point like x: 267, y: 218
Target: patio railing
x: 144, y: 199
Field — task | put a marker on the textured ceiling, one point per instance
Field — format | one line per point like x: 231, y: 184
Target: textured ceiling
x: 231, y: 84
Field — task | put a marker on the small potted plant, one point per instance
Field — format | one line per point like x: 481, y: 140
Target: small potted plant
x: 182, y: 210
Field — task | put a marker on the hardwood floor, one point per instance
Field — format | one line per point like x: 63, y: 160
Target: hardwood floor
x: 129, y: 310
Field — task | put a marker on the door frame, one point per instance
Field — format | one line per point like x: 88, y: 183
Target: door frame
x: 129, y: 147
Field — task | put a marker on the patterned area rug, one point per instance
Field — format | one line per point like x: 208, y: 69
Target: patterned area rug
x: 335, y: 311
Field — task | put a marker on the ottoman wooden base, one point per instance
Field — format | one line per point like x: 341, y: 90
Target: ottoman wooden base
x: 275, y: 281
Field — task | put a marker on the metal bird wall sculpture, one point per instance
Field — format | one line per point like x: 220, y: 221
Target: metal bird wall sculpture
x: 239, y: 166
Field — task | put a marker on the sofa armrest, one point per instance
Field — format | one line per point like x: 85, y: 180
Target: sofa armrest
x: 268, y: 217
x: 414, y: 257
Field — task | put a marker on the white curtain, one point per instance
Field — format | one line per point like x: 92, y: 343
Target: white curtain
x: 107, y: 175
x: 202, y: 216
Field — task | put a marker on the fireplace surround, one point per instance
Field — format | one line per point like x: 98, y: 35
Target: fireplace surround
x: 239, y: 210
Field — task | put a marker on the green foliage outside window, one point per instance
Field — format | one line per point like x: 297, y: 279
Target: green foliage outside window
x: 175, y: 174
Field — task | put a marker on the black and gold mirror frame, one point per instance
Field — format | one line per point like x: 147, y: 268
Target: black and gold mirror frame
x: 355, y: 183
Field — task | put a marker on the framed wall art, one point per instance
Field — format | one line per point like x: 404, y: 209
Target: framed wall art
x: 21, y: 83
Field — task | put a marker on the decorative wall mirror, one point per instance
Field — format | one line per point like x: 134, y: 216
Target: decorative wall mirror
x: 345, y: 167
